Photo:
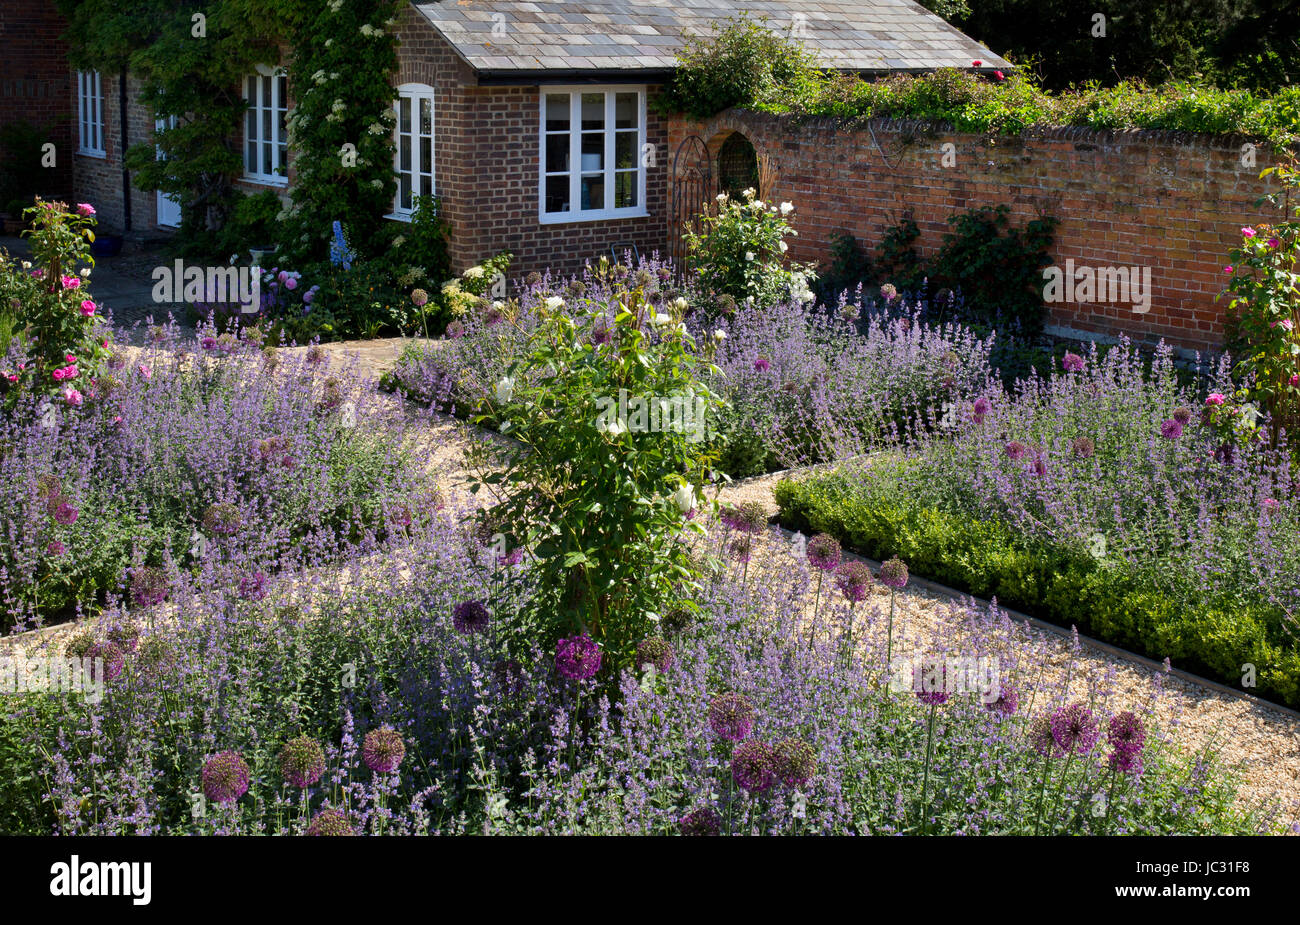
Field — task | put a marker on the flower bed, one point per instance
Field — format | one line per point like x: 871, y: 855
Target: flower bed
x: 1101, y: 497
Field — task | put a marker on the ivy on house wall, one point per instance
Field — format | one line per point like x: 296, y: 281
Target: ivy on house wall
x: 341, y: 127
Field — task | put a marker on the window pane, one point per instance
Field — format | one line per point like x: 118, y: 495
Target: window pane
x: 426, y: 185
x: 557, y: 153
x: 266, y: 92
x: 625, y: 149
x: 267, y: 167
x: 404, y: 115
x: 593, y: 192
x: 426, y: 116
x: 593, y: 111
x: 426, y: 154
x: 557, y: 194
x: 626, y: 110
x: 593, y: 151
x: 557, y: 112
x: 282, y: 167
x: 404, y: 153
x: 625, y: 189
x: 404, y: 190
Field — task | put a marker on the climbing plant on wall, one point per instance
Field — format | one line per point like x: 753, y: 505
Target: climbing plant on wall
x: 341, y: 127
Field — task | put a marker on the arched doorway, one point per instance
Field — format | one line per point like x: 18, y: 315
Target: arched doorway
x: 738, y: 166
x: 692, y: 195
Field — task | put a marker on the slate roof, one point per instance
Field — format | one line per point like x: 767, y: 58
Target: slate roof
x: 514, y: 37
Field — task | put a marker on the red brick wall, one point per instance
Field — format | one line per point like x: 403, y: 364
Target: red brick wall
x: 1171, y: 202
x: 34, y: 82
x: 98, y: 180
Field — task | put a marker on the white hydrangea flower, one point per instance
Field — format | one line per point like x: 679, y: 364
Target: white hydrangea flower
x: 473, y: 273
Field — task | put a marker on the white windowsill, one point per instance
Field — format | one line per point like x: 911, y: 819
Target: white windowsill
x: 606, y: 215
x: 399, y: 217
x: 86, y: 152
x: 266, y: 181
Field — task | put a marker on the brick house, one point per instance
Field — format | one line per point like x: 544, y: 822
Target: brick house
x: 484, y: 87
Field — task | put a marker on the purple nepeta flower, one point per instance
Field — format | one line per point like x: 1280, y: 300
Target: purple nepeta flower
x: 823, y: 552
x: 1075, y: 729
x: 1171, y: 429
x: 795, y: 762
x: 854, y: 580
x: 302, y: 761
x: 753, y: 766
x: 702, y: 821
x: 331, y: 822
x: 225, y: 777
x: 470, y: 617
x: 113, y: 657
x: 383, y: 750
x: 731, y: 716
x: 893, y: 573
x: 577, y: 658
x: 1072, y: 363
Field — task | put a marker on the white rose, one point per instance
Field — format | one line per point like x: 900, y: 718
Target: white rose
x: 85, y: 274
x: 784, y: 247
x: 719, y: 335
x: 684, y: 498
x: 749, y: 255
x: 722, y: 197
x: 473, y: 273
x: 505, y: 389
x: 787, y: 208
x: 680, y: 304
x: 554, y: 303
x: 660, y: 319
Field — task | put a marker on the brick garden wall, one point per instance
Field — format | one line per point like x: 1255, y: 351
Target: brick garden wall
x: 1168, y: 201
x: 35, y: 86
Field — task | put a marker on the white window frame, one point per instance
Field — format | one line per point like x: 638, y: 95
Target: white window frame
x: 575, y: 171
x: 90, y: 114
x: 415, y: 93
x: 279, y: 131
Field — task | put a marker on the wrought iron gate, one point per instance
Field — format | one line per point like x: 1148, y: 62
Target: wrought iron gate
x: 692, y: 195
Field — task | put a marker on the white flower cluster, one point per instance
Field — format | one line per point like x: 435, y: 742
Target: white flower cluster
x: 370, y: 31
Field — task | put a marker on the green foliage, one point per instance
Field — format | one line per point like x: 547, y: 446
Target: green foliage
x: 740, y: 251
x: 997, y: 268
x: 341, y: 128
x: 50, y: 299
x: 482, y: 283
x: 599, y: 501
x: 741, y: 63
x: 1265, y: 311
x: 897, y: 257
x: 1055, y: 582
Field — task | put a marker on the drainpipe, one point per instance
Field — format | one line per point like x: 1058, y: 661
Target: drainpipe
x: 126, y: 174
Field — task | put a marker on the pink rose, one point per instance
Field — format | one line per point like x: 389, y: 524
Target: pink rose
x: 1274, y: 243
x: 1215, y: 398
x: 72, y: 397
x: 59, y: 374
x: 1271, y: 505
x: 1294, y: 381
x: 71, y: 282
x: 1228, y: 270
x: 85, y: 209
x: 87, y: 307
x: 145, y: 371
x: 69, y: 358
x: 12, y: 377
x: 1248, y: 232
x: 117, y: 420
x: 1000, y: 75
x: 70, y: 372
x: 976, y: 63
x: 290, y: 283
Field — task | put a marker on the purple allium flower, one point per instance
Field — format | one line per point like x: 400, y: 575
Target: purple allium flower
x: 456, y: 329
x: 753, y: 766
x: 854, y: 580
x: 1041, y: 738
x: 889, y: 292
x: 741, y: 548
x: 208, y: 342
x: 750, y: 517
x: 513, y: 557
x: 1075, y: 729
x: 577, y: 658
x: 114, y: 659
x: 654, y: 650
x: 1039, y: 465
x: 1182, y: 415
x: 1126, y: 762
x: 383, y: 750
x: 65, y: 513
x: 125, y: 635
x: 1083, y: 447
x: 302, y: 761
x: 1072, y: 363
x: 1007, y: 701
x: 731, y: 716
x: 1171, y: 429
x: 702, y: 821
x: 823, y: 552
x: 149, y: 586
x: 893, y: 573
x: 331, y: 822
x: 252, y: 587
x: 1015, y: 450
x: 795, y: 762
x: 470, y: 617
x: 981, y: 409
x: 55, y: 548
x: 762, y: 364
x: 601, y: 334
x: 222, y: 519
x: 1126, y: 732
x: 225, y: 777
